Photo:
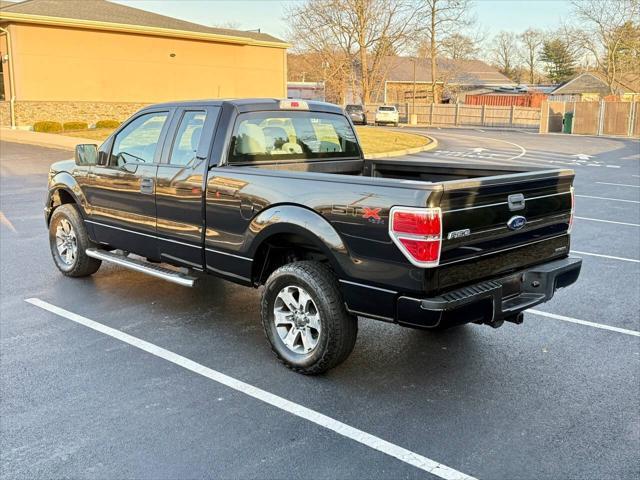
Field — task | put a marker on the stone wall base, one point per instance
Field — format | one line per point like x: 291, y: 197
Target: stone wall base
x: 29, y: 112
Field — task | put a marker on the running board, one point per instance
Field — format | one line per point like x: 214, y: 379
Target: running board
x: 142, y: 266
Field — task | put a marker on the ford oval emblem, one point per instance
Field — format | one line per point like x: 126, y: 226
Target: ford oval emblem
x: 517, y: 222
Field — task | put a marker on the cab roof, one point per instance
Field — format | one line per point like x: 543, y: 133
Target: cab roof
x: 249, y: 104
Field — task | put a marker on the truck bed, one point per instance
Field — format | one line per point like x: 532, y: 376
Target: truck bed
x: 474, y: 200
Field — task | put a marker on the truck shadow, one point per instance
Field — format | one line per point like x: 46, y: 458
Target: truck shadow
x: 217, y: 316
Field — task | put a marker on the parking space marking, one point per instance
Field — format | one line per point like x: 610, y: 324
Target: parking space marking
x: 608, y: 221
x: 633, y: 260
x: 619, y: 184
x: 607, y: 198
x: 376, y: 443
x: 523, y: 151
x: 7, y: 223
x: 601, y: 326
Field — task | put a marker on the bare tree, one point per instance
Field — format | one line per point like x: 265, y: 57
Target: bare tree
x: 608, y: 29
x: 361, y: 33
x: 443, y: 19
x: 531, y: 41
x: 504, y: 52
x: 459, y: 46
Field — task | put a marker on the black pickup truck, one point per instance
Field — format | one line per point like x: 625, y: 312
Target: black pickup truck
x: 278, y: 194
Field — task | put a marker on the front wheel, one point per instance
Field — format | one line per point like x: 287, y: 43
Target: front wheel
x: 68, y: 240
x: 305, y: 320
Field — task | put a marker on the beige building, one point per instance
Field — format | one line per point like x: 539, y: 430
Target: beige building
x: 593, y: 87
x: 87, y: 60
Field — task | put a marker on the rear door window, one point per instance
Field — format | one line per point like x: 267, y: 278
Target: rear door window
x: 187, y: 138
x: 273, y: 136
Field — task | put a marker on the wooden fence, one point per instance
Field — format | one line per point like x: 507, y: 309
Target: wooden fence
x: 593, y: 118
x: 466, y: 115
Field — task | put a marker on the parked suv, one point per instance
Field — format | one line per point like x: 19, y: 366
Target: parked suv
x: 357, y: 114
x: 387, y: 114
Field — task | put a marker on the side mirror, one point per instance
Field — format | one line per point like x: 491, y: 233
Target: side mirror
x: 86, y: 154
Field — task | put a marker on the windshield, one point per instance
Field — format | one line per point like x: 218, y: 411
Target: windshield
x: 353, y: 108
x: 270, y: 136
x: 387, y: 109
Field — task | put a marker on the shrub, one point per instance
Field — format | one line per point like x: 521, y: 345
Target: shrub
x: 107, y: 124
x: 47, y: 127
x: 75, y: 125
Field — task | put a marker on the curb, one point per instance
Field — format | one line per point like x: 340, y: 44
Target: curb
x: 433, y: 143
x: 49, y: 140
x: 470, y: 127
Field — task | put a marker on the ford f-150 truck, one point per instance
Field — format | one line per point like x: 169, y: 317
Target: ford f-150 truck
x: 277, y: 194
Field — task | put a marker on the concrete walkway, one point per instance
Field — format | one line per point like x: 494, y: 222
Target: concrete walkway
x: 51, y: 140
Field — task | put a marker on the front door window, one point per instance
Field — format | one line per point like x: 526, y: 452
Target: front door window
x: 138, y: 141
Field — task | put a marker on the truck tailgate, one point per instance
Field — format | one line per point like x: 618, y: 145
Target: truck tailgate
x: 494, y: 225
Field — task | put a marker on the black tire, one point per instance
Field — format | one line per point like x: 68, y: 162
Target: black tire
x: 81, y: 265
x: 338, y: 330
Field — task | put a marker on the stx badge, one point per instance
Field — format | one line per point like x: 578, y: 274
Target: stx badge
x: 372, y: 214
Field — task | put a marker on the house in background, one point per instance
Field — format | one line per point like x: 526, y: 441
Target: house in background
x: 87, y: 60
x: 306, y: 91
x: 455, y: 78
x: 591, y: 86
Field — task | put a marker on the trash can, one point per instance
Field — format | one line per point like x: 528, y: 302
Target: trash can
x: 567, y: 122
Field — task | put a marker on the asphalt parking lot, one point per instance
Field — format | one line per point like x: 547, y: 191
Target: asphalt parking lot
x: 555, y: 397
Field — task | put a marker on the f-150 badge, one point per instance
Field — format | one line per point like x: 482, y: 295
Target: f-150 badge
x: 459, y: 233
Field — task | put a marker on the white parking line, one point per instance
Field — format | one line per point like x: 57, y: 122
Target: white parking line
x: 586, y: 323
x: 619, y: 184
x: 606, y: 198
x: 5, y: 221
x: 633, y: 260
x: 608, y: 221
x: 329, y: 423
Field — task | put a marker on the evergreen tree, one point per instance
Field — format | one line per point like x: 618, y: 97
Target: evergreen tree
x: 560, y: 61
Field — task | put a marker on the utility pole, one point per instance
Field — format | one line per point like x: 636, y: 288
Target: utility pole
x: 415, y: 61
x: 413, y: 119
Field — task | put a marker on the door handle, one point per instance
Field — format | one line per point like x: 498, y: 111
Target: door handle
x: 146, y: 185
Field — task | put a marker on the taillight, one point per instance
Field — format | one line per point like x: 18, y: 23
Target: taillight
x: 418, y: 234
x: 573, y: 207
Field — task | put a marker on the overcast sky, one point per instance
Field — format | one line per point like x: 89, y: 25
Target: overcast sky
x: 267, y: 15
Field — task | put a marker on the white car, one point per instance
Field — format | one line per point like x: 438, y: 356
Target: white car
x: 387, y: 114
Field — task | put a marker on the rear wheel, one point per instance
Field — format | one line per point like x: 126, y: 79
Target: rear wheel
x: 305, y: 320
x: 68, y: 240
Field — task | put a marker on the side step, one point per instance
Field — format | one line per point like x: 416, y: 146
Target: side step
x: 144, y: 267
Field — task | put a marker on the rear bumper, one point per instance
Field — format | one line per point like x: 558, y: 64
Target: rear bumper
x: 491, y: 302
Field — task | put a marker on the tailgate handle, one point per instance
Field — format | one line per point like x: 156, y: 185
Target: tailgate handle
x: 516, y: 201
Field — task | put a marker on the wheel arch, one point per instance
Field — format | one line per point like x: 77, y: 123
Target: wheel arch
x: 64, y: 189
x: 294, y: 233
